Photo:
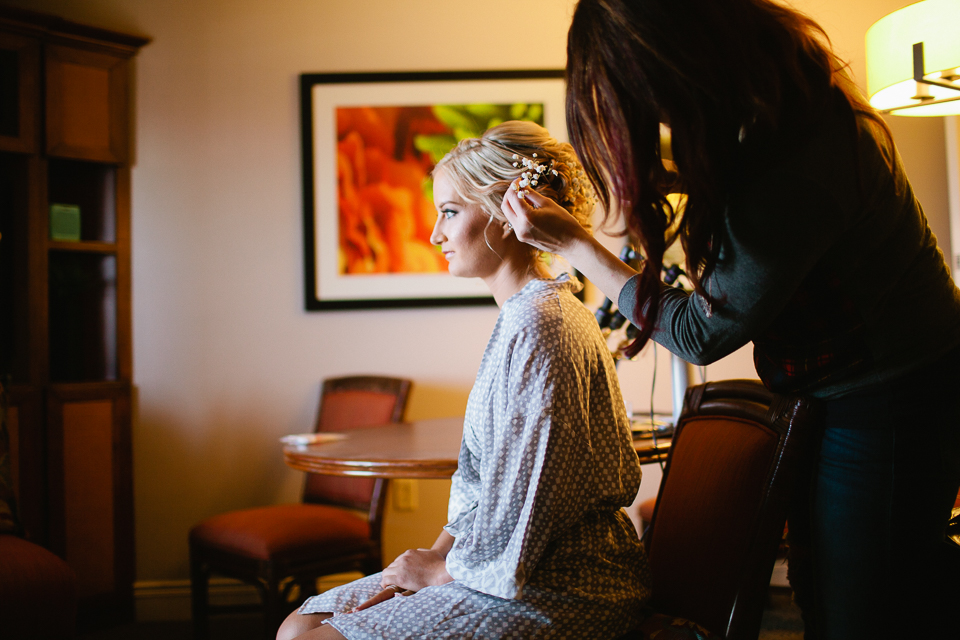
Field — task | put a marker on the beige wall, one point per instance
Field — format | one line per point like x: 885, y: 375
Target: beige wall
x: 225, y: 358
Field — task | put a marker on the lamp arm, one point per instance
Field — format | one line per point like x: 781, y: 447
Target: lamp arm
x: 918, y: 71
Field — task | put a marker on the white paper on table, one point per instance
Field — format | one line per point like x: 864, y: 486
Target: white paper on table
x: 303, y: 439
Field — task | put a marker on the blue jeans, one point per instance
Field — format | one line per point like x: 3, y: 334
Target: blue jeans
x: 868, y: 553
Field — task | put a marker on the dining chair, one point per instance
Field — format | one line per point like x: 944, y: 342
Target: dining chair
x: 719, y: 516
x: 278, y: 547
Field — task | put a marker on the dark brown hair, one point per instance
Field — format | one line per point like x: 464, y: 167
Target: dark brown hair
x: 711, y: 70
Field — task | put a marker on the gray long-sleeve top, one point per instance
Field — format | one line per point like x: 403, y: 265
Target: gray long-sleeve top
x: 839, y: 285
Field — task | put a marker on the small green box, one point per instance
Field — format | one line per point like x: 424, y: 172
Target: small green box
x: 65, y: 222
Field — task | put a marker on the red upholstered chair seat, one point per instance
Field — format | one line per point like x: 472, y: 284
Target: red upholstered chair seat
x: 38, y: 592
x: 284, y: 532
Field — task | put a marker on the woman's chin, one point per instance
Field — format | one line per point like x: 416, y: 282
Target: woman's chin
x: 459, y: 271
x: 457, y: 274
x: 472, y: 269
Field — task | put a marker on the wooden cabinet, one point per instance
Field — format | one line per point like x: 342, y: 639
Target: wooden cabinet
x: 86, y: 104
x: 20, y: 101
x: 65, y: 345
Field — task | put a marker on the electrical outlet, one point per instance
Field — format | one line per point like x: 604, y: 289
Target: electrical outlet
x: 405, y: 495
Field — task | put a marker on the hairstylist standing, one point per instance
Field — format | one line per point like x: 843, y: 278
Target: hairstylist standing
x: 802, y: 235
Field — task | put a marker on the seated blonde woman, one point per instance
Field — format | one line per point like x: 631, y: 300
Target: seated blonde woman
x: 537, y: 544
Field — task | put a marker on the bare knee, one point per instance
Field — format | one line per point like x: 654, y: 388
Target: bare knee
x: 297, y: 624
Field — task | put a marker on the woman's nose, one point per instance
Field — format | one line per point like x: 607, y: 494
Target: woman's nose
x: 436, y: 236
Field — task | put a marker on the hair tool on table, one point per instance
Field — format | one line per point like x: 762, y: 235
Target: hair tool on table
x: 609, y: 319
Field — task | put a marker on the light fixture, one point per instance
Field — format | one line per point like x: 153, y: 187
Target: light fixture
x: 913, y: 60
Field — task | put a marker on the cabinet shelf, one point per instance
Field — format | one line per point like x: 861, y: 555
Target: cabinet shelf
x: 83, y: 247
x: 91, y: 186
x: 83, y: 317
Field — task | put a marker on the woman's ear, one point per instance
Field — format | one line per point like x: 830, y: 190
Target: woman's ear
x: 506, y: 229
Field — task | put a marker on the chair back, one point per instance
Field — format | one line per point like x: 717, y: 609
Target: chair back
x: 722, y: 504
x: 348, y: 403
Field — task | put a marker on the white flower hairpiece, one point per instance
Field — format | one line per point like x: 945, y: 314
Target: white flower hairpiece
x: 532, y: 174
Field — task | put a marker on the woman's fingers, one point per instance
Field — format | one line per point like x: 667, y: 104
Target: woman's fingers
x: 518, y: 212
x: 510, y: 208
x: 391, y: 575
x: 539, y: 221
x: 415, y: 569
x: 401, y: 571
x: 386, y: 594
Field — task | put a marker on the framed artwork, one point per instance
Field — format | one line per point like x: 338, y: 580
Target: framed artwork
x: 370, y: 141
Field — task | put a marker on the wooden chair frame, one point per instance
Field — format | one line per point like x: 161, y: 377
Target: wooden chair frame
x: 795, y: 422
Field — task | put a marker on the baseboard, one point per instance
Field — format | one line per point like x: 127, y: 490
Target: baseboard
x: 779, y: 577
x: 170, y: 599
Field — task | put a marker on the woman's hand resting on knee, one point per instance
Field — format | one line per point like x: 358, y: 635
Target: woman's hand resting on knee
x: 415, y: 569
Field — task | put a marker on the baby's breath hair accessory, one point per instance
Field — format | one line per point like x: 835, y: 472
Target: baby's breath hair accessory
x: 531, y: 175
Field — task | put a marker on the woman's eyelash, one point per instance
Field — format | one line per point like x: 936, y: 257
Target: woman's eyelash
x: 448, y: 213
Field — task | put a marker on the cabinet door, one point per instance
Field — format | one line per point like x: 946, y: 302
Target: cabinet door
x: 25, y: 425
x: 87, y: 105
x: 19, y: 93
x: 91, y: 497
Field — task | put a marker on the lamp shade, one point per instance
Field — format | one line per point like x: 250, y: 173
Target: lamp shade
x: 890, y: 59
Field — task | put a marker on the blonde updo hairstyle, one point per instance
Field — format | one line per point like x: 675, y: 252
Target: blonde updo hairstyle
x: 481, y: 169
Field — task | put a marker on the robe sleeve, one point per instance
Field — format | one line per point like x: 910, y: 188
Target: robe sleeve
x: 537, y: 478
x: 464, y: 494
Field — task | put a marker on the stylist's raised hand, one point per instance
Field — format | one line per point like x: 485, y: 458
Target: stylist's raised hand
x: 541, y: 222
x: 415, y: 569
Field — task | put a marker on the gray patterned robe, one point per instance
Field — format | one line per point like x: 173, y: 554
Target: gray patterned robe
x: 543, y: 547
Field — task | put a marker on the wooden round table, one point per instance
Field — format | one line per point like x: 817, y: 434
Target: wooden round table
x: 421, y: 449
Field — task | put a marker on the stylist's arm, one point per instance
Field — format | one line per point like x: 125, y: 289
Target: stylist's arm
x: 542, y: 223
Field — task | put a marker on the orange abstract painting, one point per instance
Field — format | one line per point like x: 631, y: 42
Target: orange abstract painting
x: 385, y: 214
x: 384, y: 158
